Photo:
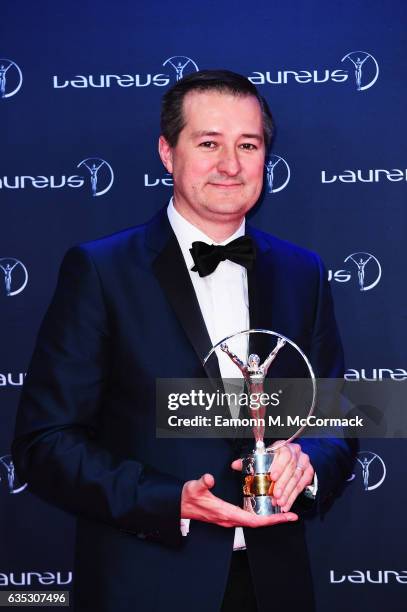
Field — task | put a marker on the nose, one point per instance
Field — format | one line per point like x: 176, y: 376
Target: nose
x: 228, y: 162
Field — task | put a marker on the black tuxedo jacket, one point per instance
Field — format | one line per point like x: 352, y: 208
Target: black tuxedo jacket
x: 124, y: 313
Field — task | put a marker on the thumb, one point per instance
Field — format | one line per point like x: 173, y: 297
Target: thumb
x: 237, y: 465
x: 206, y: 481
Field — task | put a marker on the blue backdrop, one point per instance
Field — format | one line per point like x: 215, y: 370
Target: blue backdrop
x: 80, y: 89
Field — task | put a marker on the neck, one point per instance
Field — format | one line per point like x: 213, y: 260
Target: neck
x: 217, y: 230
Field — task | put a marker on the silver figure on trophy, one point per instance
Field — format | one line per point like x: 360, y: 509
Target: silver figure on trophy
x: 254, y: 375
x: 257, y: 483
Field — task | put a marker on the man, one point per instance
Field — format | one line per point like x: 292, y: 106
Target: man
x: 137, y: 306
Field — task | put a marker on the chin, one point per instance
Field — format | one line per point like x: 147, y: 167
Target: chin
x: 232, y: 210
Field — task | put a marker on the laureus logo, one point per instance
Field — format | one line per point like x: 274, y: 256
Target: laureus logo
x: 366, y: 279
x: 15, y: 275
x: 362, y: 265
x: 8, y: 477
x: 176, y: 65
x: 11, y: 78
x: 372, y: 470
x: 369, y: 577
x: 371, y: 374
x: 358, y: 64
x: 366, y: 68
x: 181, y: 63
x: 277, y: 173
x: 34, y: 578
x: 99, y: 184
x: 100, y: 177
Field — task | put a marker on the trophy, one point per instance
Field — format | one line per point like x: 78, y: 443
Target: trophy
x: 257, y: 483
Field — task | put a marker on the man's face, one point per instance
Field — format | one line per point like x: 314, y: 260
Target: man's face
x: 218, y: 162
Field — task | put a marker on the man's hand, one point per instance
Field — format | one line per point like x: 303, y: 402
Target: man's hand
x: 291, y: 472
x: 198, y: 503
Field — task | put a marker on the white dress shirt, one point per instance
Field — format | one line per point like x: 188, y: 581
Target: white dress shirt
x: 224, y: 303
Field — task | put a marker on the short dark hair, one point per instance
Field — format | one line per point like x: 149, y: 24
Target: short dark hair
x: 222, y: 81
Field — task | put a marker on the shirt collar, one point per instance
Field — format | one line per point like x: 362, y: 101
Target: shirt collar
x: 186, y: 233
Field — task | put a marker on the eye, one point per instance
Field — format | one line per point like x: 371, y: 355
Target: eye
x: 208, y: 144
x: 248, y: 146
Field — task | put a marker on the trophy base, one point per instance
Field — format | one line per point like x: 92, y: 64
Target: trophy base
x: 257, y: 483
x: 260, y: 505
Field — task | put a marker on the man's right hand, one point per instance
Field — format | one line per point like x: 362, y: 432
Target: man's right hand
x: 198, y: 503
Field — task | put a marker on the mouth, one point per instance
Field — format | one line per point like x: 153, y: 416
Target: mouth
x: 226, y: 185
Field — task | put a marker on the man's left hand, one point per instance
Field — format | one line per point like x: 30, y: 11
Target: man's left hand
x: 291, y: 472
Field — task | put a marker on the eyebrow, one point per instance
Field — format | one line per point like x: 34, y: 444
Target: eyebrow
x: 201, y: 133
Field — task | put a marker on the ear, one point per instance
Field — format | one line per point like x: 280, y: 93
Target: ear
x: 165, y: 151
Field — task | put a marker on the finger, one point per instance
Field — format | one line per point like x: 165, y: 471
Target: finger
x: 279, y: 461
x: 225, y: 514
x: 305, y: 469
x: 288, y: 473
x: 286, y: 489
x: 237, y: 517
x: 305, y: 480
x: 287, y: 506
x: 284, y: 455
x: 282, y: 493
x: 237, y: 465
x: 205, y: 482
x: 275, y: 519
x: 303, y: 461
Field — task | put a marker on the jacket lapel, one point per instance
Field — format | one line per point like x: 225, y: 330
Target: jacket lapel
x: 262, y: 293
x: 274, y: 306
x: 172, y: 274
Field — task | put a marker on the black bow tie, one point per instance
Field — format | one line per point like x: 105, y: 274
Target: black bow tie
x: 207, y: 256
